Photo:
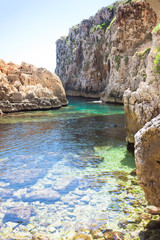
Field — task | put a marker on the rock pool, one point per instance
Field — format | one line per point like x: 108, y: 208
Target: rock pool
x: 65, y: 174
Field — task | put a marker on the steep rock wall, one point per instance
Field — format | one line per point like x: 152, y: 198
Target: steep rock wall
x: 144, y: 104
x: 25, y: 87
x: 102, y: 56
x: 147, y: 157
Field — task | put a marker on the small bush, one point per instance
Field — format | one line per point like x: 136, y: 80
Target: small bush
x: 111, y: 23
x: 101, y: 26
x: 157, y: 28
x: 126, y: 60
x: 157, y: 63
x: 86, y: 66
x: 118, y: 60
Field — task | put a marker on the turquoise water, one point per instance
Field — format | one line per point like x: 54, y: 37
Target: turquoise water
x: 63, y: 171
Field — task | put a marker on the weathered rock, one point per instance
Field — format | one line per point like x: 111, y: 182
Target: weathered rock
x: 24, y: 87
x: 144, y: 104
x: 153, y: 210
x: 147, y: 157
x: 107, y: 54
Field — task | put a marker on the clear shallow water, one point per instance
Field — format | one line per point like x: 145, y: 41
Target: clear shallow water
x: 64, y: 171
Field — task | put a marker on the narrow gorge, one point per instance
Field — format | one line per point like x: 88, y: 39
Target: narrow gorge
x: 67, y: 168
x: 115, y: 56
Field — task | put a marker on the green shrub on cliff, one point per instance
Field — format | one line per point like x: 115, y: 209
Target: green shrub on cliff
x: 157, y: 63
x: 157, y: 28
x: 118, y: 60
x: 111, y: 23
x: 101, y: 26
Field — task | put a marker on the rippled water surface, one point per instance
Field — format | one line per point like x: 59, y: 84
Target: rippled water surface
x: 63, y: 172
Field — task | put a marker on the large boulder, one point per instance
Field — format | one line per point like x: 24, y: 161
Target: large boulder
x: 25, y: 87
x: 147, y: 157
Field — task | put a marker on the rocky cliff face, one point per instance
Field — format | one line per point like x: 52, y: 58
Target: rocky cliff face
x: 144, y: 104
x: 108, y: 53
x: 147, y: 156
x: 24, y: 87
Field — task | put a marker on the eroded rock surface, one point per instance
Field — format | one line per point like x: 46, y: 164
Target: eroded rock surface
x: 144, y: 104
x: 108, y: 53
x: 147, y: 156
x: 25, y: 87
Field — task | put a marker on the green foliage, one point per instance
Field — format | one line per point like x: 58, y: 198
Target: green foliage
x: 157, y: 28
x: 157, y: 63
x: 111, y: 23
x: 76, y: 26
x: 101, y: 26
x: 66, y: 40
x: 111, y: 7
x: 86, y: 66
x: 126, y: 60
x: 118, y: 60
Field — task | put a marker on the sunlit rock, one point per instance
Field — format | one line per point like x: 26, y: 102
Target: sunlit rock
x: 147, y: 157
x: 107, y: 53
x: 25, y: 87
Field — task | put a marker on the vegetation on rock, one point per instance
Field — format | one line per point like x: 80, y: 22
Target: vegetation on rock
x: 157, y: 63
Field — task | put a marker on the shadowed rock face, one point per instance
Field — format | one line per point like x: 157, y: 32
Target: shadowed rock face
x: 147, y: 156
x: 25, y: 87
x: 102, y: 56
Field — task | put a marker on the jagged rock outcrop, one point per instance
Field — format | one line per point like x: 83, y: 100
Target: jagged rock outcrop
x: 25, y: 87
x: 147, y: 156
x: 107, y: 54
x: 144, y: 104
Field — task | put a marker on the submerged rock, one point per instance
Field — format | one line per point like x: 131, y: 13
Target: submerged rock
x: 82, y: 236
x: 114, y: 235
x: 147, y: 157
x: 18, y: 214
x: 25, y: 87
x: 43, y: 194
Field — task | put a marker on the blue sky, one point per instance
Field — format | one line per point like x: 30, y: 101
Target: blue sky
x: 30, y: 28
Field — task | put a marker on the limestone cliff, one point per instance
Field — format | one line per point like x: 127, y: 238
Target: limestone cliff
x: 147, y: 156
x: 144, y: 104
x: 24, y: 87
x: 108, y: 53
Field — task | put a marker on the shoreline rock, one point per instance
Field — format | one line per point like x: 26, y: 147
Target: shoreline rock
x: 25, y: 88
x: 147, y: 158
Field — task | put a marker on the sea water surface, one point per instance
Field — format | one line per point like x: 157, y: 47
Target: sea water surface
x: 64, y: 172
